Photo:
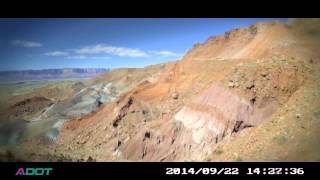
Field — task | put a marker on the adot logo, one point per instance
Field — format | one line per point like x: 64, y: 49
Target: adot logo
x: 33, y: 172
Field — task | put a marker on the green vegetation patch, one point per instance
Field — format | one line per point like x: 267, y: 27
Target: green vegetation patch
x: 238, y: 159
x: 281, y: 139
x: 317, y: 84
x: 218, y: 150
x: 208, y: 159
x: 250, y: 65
x: 283, y: 62
x: 279, y: 62
x: 316, y: 113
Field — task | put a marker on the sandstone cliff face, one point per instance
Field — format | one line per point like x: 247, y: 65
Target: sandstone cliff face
x: 217, y: 113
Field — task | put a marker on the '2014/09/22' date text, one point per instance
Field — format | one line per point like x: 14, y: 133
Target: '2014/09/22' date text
x: 234, y: 171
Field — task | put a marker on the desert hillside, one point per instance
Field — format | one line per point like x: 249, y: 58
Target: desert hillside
x: 251, y: 94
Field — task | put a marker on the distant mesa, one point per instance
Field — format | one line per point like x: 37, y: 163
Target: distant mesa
x: 50, y: 74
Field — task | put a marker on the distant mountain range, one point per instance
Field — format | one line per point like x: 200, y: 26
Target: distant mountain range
x: 50, y: 74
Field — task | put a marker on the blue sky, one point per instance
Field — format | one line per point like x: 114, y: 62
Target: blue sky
x: 103, y: 42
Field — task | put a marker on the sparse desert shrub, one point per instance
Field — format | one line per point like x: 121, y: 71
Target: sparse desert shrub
x: 279, y: 62
x: 283, y: 62
x: 238, y: 159
x: 281, y: 139
x: 316, y: 113
x: 218, y: 150
x: 208, y: 159
x: 250, y: 65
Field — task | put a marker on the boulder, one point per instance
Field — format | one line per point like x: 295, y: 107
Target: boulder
x: 175, y: 95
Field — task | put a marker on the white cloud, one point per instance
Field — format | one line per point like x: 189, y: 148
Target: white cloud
x: 123, y: 51
x: 56, y: 53
x: 100, y: 57
x: 95, y: 52
x: 165, y: 53
x: 27, y: 44
x: 87, y: 57
x: 112, y: 50
x: 77, y: 57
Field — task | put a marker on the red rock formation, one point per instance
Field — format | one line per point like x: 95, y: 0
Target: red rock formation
x: 218, y: 112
